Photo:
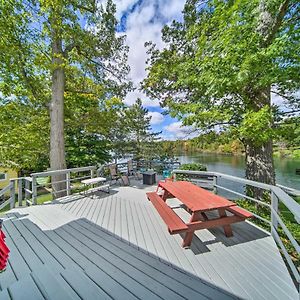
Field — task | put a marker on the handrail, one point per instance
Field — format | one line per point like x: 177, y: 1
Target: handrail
x: 288, y: 201
x: 277, y: 193
x: 289, y: 190
x: 63, y: 171
x: 5, y: 190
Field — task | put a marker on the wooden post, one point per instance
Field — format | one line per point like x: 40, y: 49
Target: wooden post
x: 215, y: 182
x: 20, y: 191
x: 92, y: 173
x: 12, y: 194
x: 274, y: 205
x: 68, y: 179
x: 174, y: 176
x: 27, y: 188
x: 34, y: 191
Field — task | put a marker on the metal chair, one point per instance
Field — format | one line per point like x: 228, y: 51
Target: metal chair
x: 113, y: 173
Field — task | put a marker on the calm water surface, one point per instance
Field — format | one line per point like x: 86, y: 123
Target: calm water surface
x: 235, y: 165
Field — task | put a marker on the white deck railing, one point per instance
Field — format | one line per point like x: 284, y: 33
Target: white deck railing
x: 277, y: 195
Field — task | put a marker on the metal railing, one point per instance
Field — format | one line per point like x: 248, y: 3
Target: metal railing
x: 69, y: 176
x: 277, y: 195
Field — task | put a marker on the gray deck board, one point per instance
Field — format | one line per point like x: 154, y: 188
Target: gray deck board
x: 114, y: 266
x: 145, y: 262
x: 25, y: 288
x: 8, y: 277
x: 84, y: 287
x: 51, y: 286
x: 120, y: 248
x: 4, y: 295
x: 37, y: 247
x: 130, y: 276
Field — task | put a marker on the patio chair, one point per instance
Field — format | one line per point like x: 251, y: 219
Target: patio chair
x: 113, y: 173
x: 131, y: 171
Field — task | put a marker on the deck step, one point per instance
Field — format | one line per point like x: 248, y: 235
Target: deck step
x: 238, y: 211
x: 83, y: 285
x: 51, y: 285
x: 25, y: 288
x: 174, y: 223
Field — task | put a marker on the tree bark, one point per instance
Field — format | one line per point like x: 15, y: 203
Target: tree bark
x: 57, y: 141
x: 259, y: 166
x: 259, y: 158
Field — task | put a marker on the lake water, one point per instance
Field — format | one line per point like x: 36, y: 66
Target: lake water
x: 235, y: 165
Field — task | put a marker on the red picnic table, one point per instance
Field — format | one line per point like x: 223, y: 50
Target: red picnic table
x: 197, y: 201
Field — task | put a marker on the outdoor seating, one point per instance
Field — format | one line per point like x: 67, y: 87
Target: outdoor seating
x: 113, y: 173
x: 96, y: 184
x: 197, y: 201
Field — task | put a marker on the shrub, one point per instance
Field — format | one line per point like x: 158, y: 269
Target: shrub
x: 190, y: 167
x: 193, y: 167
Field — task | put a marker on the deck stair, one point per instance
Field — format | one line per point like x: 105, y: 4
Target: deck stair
x: 44, y: 284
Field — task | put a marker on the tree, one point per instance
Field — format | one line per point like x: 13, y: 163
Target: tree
x: 141, y: 138
x: 220, y: 65
x: 55, y: 47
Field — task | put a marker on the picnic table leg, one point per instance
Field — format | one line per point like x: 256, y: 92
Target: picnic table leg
x: 227, y: 228
x: 187, y: 241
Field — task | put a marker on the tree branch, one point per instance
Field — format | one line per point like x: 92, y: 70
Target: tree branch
x: 278, y: 21
x: 91, y: 10
x: 289, y: 112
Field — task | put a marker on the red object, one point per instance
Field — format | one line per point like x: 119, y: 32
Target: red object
x: 197, y: 201
x: 175, y: 224
x: 4, y: 250
x: 194, y: 197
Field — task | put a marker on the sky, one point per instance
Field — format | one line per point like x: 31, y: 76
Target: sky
x: 142, y: 21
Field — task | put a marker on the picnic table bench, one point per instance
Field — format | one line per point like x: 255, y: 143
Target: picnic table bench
x: 197, y: 201
x: 94, y: 181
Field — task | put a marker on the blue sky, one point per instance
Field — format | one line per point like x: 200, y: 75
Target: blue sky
x: 142, y: 21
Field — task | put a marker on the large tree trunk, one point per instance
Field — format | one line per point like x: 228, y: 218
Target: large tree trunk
x: 57, y: 142
x: 259, y: 157
x: 259, y: 166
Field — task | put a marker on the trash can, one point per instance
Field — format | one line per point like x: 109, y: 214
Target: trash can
x: 149, y: 177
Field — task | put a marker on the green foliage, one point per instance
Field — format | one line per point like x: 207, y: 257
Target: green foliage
x: 190, y: 167
x: 193, y: 167
x: 221, y: 63
x: 94, y: 61
x: 142, y: 141
x: 255, y: 122
x: 85, y: 149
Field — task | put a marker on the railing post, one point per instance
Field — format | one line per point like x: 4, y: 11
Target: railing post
x: 174, y: 176
x: 12, y: 194
x: 215, y: 182
x: 34, y: 191
x: 27, y: 188
x: 92, y: 173
x: 68, y: 183
x: 20, y: 191
x: 274, y: 205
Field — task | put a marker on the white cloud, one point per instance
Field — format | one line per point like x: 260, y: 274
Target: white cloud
x: 176, y: 130
x: 144, y: 24
x: 132, y: 96
x: 156, y: 117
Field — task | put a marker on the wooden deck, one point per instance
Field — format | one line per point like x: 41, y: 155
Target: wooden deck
x: 117, y: 247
